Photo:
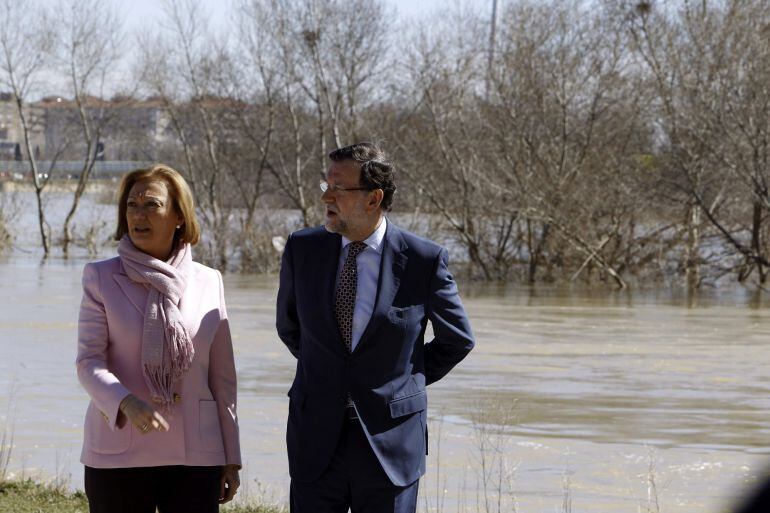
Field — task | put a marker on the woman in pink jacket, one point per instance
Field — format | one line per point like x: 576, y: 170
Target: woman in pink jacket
x: 155, y: 355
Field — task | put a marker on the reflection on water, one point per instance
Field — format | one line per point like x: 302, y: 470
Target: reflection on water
x: 598, y: 382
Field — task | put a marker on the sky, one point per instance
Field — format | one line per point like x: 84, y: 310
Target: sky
x: 139, y: 11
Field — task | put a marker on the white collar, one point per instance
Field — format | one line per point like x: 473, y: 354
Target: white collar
x: 374, y: 241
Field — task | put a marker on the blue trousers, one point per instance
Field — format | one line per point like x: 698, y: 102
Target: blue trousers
x: 353, y: 480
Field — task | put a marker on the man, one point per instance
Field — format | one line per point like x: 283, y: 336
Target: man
x: 354, y: 300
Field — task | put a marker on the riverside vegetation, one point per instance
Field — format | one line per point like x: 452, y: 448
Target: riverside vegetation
x: 617, y: 141
x: 27, y: 496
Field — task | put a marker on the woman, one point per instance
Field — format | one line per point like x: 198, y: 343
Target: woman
x: 155, y: 355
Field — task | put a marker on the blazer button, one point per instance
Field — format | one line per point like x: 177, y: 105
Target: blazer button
x: 177, y: 398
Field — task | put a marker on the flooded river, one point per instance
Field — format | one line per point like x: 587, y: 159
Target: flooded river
x: 589, y: 397
x: 611, y: 402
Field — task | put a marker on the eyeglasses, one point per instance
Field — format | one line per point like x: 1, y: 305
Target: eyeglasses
x: 334, y: 189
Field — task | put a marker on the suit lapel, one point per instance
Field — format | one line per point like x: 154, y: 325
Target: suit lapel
x: 327, y: 273
x: 391, y: 268
x: 136, y: 294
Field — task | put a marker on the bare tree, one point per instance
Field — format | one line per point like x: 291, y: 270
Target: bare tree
x: 440, y: 139
x: 257, y: 85
x: 88, y: 49
x: 567, y: 112
x: 709, y: 64
x: 26, y: 36
x: 182, y: 67
x: 348, y: 46
x: 520, y: 171
x: 734, y: 40
x: 324, y: 57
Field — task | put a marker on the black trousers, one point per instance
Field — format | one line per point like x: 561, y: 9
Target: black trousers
x: 171, y: 489
x: 355, y: 480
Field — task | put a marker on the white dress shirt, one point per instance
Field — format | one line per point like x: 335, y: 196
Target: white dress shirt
x: 368, y: 268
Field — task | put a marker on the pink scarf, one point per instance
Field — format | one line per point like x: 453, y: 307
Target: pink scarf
x: 167, y: 349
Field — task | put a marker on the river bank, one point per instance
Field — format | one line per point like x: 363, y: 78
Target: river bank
x: 28, y: 496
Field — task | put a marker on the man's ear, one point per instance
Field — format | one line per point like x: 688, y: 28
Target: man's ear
x: 375, y: 198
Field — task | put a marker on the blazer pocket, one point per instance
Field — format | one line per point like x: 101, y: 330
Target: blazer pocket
x: 209, y: 428
x: 409, y: 404
x: 406, y: 314
x: 101, y: 439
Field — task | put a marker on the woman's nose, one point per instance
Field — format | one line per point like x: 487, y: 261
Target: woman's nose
x: 137, y: 212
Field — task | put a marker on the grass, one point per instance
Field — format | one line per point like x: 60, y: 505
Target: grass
x: 28, y: 496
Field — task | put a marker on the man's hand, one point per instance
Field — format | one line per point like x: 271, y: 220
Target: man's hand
x: 141, y: 415
x: 229, y: 483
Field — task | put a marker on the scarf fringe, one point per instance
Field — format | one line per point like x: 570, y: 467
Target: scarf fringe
x: 159, y: 382
x: 176, y: 363
x: 178, y: 338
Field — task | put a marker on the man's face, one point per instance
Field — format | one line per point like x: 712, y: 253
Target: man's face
x: 346, y: 211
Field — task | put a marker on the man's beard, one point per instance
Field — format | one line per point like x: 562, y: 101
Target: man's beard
x: 338, y: 226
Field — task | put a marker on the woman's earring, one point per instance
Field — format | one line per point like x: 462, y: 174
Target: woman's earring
x: 178, y: 226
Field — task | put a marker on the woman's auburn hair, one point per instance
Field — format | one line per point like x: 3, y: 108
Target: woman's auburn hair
x: 178, y: 190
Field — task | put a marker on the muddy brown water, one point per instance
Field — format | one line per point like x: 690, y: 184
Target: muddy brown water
x: 589, y: 396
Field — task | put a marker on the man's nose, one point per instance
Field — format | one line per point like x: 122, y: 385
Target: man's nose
x: 327, y: 196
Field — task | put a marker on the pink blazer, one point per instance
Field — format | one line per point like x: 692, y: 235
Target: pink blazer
x: 203, y: 421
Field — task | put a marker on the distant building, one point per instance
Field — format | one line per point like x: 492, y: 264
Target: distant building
x: 12, y: 143
x: 129, y: 129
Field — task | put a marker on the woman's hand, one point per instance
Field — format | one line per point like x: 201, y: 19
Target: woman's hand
x: 229, y: 483
x: 141, y: 415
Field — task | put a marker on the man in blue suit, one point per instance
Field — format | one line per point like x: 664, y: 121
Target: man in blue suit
x: 354, y: 300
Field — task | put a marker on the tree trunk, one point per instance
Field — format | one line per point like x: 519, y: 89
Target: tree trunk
x: 536, y: 245
x: 692, y: 257
x: 44, y: 239
x: 79, y: 190
x: 756, y: 241
x: 42, y: 224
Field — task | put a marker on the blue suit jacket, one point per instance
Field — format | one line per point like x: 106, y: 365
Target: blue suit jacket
x: 387, y: 372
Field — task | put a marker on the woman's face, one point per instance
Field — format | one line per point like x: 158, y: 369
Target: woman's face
x: 151, y: 218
